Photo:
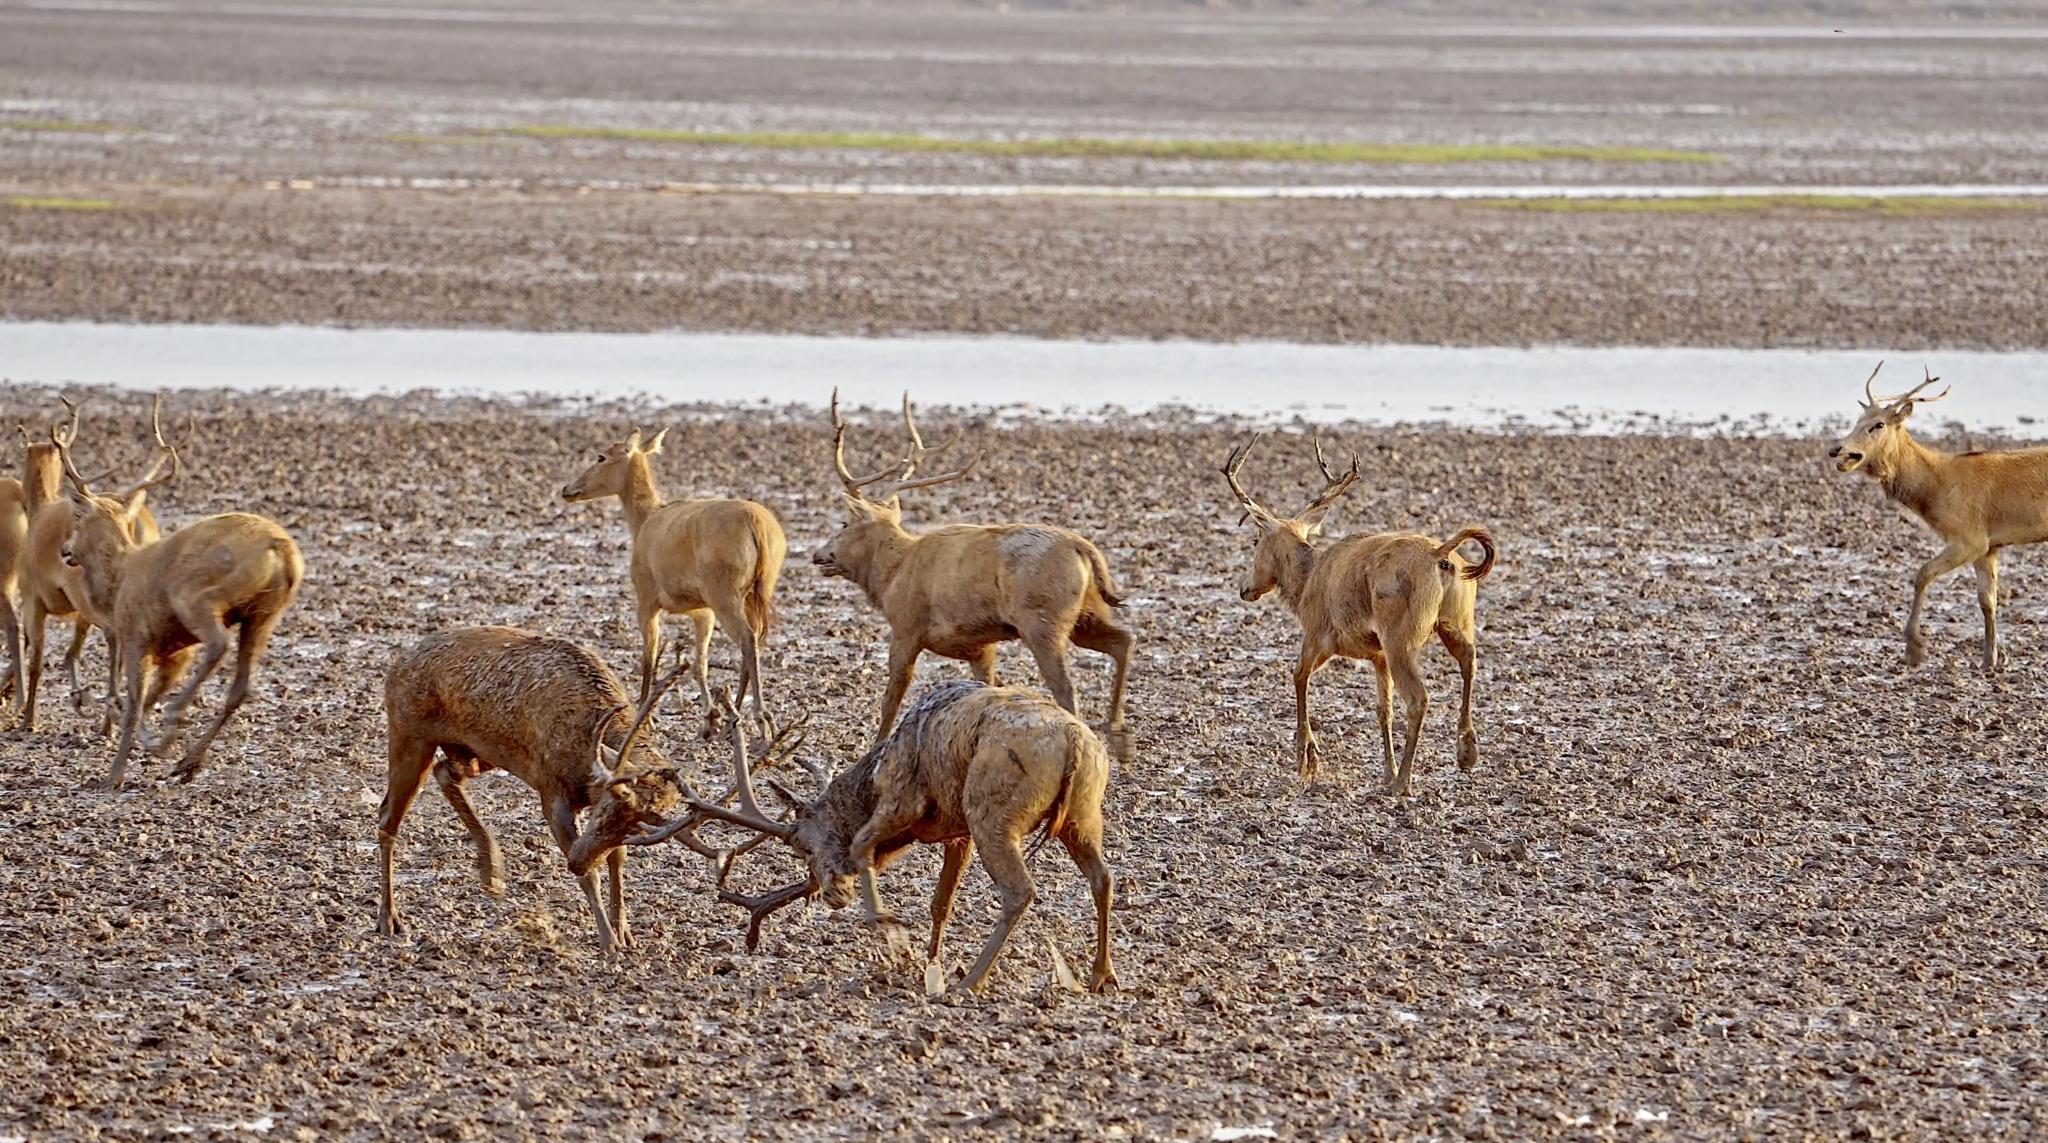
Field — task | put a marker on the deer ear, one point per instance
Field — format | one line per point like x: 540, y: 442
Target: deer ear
x: 892, y: 508
x: 1311, y: 521
x: 633, y: 441
x: 655, y: 444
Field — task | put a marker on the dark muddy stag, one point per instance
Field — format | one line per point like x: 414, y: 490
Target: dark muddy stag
x: 1979, y: 503
x: 967, y: 766
x: 1377, y: 597
x: 962, y: 591
x: 547, y: 711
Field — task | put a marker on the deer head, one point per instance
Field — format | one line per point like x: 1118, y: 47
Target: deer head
x: 608, y: 474
x: 1880, y: 426
x: 1283, y: 540
x: 874, y: 517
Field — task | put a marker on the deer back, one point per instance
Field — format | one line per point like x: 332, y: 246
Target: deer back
x: 707, y: 551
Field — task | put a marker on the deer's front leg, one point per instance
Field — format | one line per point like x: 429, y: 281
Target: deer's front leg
x: 903, y: 653
x: 1958, y: 553
x: 1305, y: 755
x: 862, y: 852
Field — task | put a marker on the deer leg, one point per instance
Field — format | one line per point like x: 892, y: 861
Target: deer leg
x: 131, y: 716
x: 1464, y: 647
x: 616, y: 861
x: 1004, y: 860
x: 1083, y: 840
x: 983, y: 664
x: 200, y: 619
x: 1958, y: 553
x: 957, y: 853
x: 1098, y: 633
x: 255, y: 636
x: 1415, y: 701
x: 562, y: 824
x: 10, y: 629
x: 1049, y: 647
x: 650, y: 648
x: 1306, y: 757
x: 861, y: 850
x: 490, y: 868
x: 407, y: 772
x: 37, y: 617
x: 703, y: 624
x: 79, y: 629
x: 902, y: 666
x: 1987, y: 600
x: 742, y: 634
x: 1384, y: 684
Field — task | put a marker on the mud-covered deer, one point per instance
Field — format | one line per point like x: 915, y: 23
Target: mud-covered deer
x: 962, y: 590
x: 1376, y: 597
x: 162, y: 599
x: 1977, y: 502
x: 713, y: 561
x: 969, y: 765
x: 549, y: 712
x: 52, y: 588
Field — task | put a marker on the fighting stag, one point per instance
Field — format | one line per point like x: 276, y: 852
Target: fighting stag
x: 1977, y: 502
x: 162, y: 598
x: 969, y: 765
x: 547, y: 711
x: 962, y: 590
x: 1376, y: 597
x: 715, y: 561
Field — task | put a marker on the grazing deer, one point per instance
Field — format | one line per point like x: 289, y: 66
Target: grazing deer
x: 1368, y: 597
x: 960, y: 591
x: 969, y: 765
x: 162, y: 598
x: 1977, y: 502
x: 547, y: 711
x: 50, y: 587
x: 715, y: 561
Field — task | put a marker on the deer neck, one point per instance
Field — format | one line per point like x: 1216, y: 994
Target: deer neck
x: 892, y: 548
x: 1911, y: 473
x: 640, y: 497
x: 39, y: 484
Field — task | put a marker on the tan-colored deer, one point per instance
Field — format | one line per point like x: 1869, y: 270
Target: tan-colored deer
x: 51, y: 588
x: 14, y: 514
x: 549, y: 712
x: 1376, y: 597
x: 969, y: 765
x: 963, y: 590
x: 1977, y: 502
x: 713, y: 561
x: 163, y: 598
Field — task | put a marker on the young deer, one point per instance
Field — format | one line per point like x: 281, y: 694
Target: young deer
x: 715, y: 561
x: 969, y: 765
x: 51, y: 588
x: 960, y: 591
x: 547, y: 711
x: 1977, y: 502
x: 163, y: 598
x: 1368, y: 597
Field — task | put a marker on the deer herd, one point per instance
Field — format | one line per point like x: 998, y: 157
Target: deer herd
x: 969, y: 766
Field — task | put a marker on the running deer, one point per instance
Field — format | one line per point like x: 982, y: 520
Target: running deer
x: 51, y: 588
x: 1977, y: 502
x: 969, y: 765
x: 547, y: 711
x: 163, y: 598
x: 714, y: 561
x: 962, y: 590
x: 1377, y: 598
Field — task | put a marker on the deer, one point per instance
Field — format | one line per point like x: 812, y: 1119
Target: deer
x: 1978, y: 503
x: 714, y: 561
x: 961, y: 591
x: 14, y: 514
x: 161, y: 599
x: 1373, y: 597
x: 546, y: 710
x: 969, y: 766
x: 50, y: 588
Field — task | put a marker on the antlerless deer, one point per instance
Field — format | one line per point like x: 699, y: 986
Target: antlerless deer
x: 962, y: 590
x: 1368, y: 597
x: 968, y: 765
x: 715, y: 561
x: 1977, y: 502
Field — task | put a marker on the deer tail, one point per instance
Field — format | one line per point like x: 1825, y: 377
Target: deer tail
x: 760, y: 600
x: 1099, y: 568
x: 290, y: 562
x: 1479, y: 536
x: 1056, y: 814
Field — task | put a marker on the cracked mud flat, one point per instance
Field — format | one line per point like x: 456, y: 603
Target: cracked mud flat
x: 1726, y: 869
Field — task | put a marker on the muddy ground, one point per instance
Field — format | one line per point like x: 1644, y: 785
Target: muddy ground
x: 1728, y: 868
x: 176, y: 116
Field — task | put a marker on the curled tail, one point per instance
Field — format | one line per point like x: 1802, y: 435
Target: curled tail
x: 760, y: 599
x: 1099, y: 568
x: 1479, y: 536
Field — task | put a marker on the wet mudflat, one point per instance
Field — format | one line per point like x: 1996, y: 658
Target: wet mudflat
x: 1727, y: 866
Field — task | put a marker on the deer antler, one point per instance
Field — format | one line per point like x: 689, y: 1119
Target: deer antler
x: 853, y: 483
x: 151, y: 479
x: 760, y: 908
x: 1235, y: 465
x: 1334, y: 485
x: 1912, y: 394
x: 70, y: 438
x: 1870, y: 398
x: 919, y: 453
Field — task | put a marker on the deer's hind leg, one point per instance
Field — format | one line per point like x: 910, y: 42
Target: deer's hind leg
x: 1987, y: 601
x: 957, y: 854
x: 743, y: 637
x: 254, y: 637
x: 456, y: 766
x: 1406, y: 668
x: 1003, y: 857
x: 1083, y: 839
x: 1463, y: 644
x: 79, y: 630
x: 1097, y: 631
x: 407, y: 771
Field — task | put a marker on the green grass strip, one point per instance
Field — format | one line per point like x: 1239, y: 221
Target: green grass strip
x: 35, y: 202
x: 1740, y: 204
x: 1199, y: 149
x: 66, y: 126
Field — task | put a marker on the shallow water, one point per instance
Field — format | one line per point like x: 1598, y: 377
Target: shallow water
x: 1596, y: 390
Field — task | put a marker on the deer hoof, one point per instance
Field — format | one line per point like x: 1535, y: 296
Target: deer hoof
x: 1916, y: 652
x: 1120, y: 745
x: 1468, y: 752
x: 1309, y: 763
x: 1104, y: 982
x: 390, y: 925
